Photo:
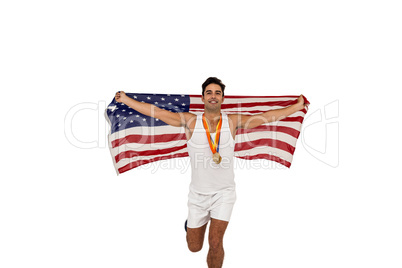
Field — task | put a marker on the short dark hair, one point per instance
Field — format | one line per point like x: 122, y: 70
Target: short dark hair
x: 213, y: 80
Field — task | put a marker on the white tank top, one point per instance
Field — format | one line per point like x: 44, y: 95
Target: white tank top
x: 207, y: 177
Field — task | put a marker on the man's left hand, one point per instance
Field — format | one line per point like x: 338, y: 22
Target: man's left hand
x: 300, y: 102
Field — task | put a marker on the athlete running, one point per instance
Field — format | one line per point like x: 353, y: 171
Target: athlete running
x: 210, y: 144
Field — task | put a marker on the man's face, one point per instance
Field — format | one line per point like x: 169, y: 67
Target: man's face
x: 213, y: 97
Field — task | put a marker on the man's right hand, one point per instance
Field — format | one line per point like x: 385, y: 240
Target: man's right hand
x: 120, y: 96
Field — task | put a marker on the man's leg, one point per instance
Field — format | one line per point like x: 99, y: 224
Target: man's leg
x: 195, y: 238
x: 216, y: 253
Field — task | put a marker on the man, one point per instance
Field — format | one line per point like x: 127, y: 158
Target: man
x: 210, y: 144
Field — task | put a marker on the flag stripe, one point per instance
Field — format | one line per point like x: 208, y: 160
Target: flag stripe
x: 166, y: 129
x: 265, y: 150
x: 251, y: 97
x: 247, y: 105
x: 125, y: 161
x: 148, y: 139
x: 147, y: 161
x: 267, y: 157
x: 250, y: 137
x: 262, y: 142
x: 247, y: 111
x: 288, y: 130
x: 131, y: 153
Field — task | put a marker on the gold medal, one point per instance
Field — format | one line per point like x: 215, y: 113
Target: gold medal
x: 214, y: 145
x: 217, y: 158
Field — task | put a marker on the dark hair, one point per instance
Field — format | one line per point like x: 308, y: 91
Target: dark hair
x: 213, y: 80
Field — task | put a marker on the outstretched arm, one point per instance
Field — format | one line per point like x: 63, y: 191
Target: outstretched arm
x: 252, y: 121
x: 170, y: 118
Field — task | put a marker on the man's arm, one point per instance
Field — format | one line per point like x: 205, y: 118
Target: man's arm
x: 252, y: 121
x: 170, y: 118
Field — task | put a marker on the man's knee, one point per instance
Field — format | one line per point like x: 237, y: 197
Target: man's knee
x: 215, y: 243
x: 194, y: 247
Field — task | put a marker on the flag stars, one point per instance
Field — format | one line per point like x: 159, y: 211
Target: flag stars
x: 129, y: 117
x: 112, y: 108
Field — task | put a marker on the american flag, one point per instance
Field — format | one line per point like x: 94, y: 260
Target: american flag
x: 136, y: 139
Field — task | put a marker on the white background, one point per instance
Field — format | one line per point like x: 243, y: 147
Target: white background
x: 61, y: 205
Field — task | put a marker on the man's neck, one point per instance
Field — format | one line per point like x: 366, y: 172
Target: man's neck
x: 213, y: 116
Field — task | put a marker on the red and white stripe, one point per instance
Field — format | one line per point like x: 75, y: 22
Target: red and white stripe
x: 272, y: 141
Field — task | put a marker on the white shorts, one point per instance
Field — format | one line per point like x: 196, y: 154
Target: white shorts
x: 203, y: 207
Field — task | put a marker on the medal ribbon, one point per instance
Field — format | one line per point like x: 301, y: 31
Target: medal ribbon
x: 214, y: 145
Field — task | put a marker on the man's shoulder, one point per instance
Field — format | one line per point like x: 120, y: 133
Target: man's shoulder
x: 189, y: 115
x: 234, y: 120
x: 190, y: 119
x: 234, y: 117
